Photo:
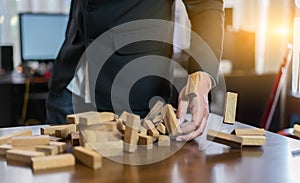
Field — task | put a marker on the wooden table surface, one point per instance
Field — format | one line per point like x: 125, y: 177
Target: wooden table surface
x: 277, y: 161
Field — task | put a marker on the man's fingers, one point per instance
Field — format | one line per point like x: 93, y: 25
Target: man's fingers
x: 182, y: 109
x: 195, y: 133
x: 188, y: 127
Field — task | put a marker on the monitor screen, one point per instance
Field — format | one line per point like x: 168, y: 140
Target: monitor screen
x: 41, y: 35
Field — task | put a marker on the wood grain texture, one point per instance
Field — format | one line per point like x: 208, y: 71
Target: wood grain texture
x: 62, y: 146
x: 47, y: 149
x: 50, y: 162
x: 30, y: 140
x: 4, y: 148
x: 253, y: 140
x: 171, y: 121
x: 249, y: 132
x: 22, y: 155
x: 224, y: 138
x: 89, y: 158
x: 161, y: 128
x: 7, y: 138
x: 89, y: 118
x: 230, y: 107
x: 192, y: 85
x: 51, y: 129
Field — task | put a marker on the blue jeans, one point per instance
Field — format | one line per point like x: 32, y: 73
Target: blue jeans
x: 58, y: 107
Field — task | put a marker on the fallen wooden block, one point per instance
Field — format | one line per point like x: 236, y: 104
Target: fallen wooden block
x: 108, y: 149
x: 110, y: 125
x: 249, y: 132
x: 107, y: 117
x: 75, y: 138
x: 66, y: 131
x: 164, y: 140
x: 50, y: 130
x: 230, y: 107
x: 22, y: 155
x: 161, y: 128
x: 296, y: 130
x: 89, y: 118
x: 62, y: 146
x: 71, y: 119
x: 192, y: 86
x: 253, y: 140
x: 123, y: 116
x: 24, y: 147
x: 30, y: 140
x: 171, y: 121
x: 4, y: 148
x: 131, y: 135
x: 143, y: 130
x: 152, y: 131
x: 47, y: 149
x: 50, y: 162
x: 158, y: 119
x: 89, y: 158
x: 155, y: 110
x: 7, y: 138
x: 224, y: 138
x: 145, y: 141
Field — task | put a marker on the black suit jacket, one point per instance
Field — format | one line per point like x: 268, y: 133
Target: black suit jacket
x: 89, y: 19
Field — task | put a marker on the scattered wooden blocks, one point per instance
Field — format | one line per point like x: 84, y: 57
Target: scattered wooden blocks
x: 152, y: 131
x: 4, y: 148
x: 51, y: 130
x: 249, y: 132
x: 164, y: 140
x: 30, y: 140
x: 7, y: 138
x: 22, y: 155
x: 66, y: 131
x: 155, y: 110
x: 89, y: 158
x: 230, y: 107
x: 47, y: 149
x: 131, y: 135
x: 50, y: 162
x: 223, y: 138
x: 171, y: 121
x: 192, y: 85
x: 297, y: 130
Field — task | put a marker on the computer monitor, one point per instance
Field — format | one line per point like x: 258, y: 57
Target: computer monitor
x: 41, y: 35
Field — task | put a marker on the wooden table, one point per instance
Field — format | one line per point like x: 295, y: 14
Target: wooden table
x: 272, y: 163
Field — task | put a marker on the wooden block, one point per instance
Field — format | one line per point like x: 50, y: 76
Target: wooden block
x: 123, y: 116
x: 62, y: 146
x: 297, y: 127
x: 75, y: 138
x: 89, y: 118
x: 110, y: 125
x: 50, y: 162
x: 51, y: 129
x: 152, y: 131
x: 155, y: 110
x: 223, y: 138
x: 249, y: 132
x: 7, y: 138
x: 161, y: 128
x: 71, y: 119
x: 133, y: 121
x: 192, y: 86
x: 47, y: 149
x: 107, y: 116
x: 30, y: 140
x: 145, y: 141
x: 109, y: 149
x: 230, y: 107
x: 131, y: 138
x: 158, y: 119
x: 25, y: 147
x: 143, y: 130
x: 4, y: 148
x: 66, y: 131
x: 22, y: 155
x: 120, y: 126
x: 253, y: 140
x: 164, y: 140
x: 89, y: 158
x: 171, y: 121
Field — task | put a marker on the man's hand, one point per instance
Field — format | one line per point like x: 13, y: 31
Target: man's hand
x: 198, y: 107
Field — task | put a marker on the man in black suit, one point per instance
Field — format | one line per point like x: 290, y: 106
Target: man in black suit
x: 89, y: 19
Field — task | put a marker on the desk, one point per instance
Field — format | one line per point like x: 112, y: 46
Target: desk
x: 272, y: 163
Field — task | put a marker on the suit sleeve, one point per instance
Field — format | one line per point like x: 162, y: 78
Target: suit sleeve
x: 207, y: 19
